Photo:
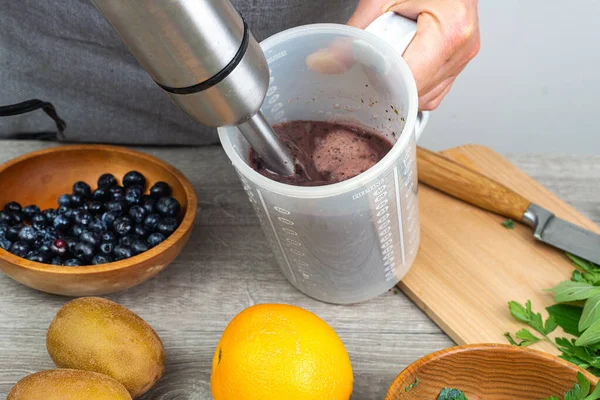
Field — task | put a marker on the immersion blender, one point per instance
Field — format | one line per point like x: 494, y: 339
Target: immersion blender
x: 202, y: 54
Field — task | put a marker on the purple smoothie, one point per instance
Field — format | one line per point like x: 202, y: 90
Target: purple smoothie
x: 326, y: 152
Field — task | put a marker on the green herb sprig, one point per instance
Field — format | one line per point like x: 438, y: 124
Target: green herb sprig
x: 580, y: 391
x: 580, y: 318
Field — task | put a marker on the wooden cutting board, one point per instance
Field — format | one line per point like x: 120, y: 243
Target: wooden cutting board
x: 470, y: 266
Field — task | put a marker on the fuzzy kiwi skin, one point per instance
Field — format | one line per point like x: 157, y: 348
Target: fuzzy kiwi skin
x: 95, y: 334
x: 68, y: 384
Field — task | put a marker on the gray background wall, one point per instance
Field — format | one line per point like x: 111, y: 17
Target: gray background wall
x: 535, y: 85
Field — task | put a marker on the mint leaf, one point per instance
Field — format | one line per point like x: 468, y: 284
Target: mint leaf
x: 590, y: 336
x: 518, y: 311
x: 413, y: 385
x: 580, y: 390
x: 583, y: 353
x: 595, y: 395
x: 550, y: 325
x: 527, y: 338
x: 568, y: 291
x: 574, y: 360
x: 591, y: 313
x: 580, y: 263
x: 451, y: 394
x: 567, y: 317
x: 509, y: 224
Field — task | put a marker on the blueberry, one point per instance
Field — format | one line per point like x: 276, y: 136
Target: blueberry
x: 100, y: 259
x: 84, y: 218
x: 122, y: 252
x: 149, y: 204
x: 59, y: 247
x: 134, y: 178
x: 97, y: 225
x: 61, y: 222
x: 40, y: 219
x: 28, y: 234
x: 160, y: 189
x: 155, y: 239
x: 71, y: 243
x: 151, y: 222
x: 5, y: 244
x: 39, y: 256
x: 85, y: 207
x: 38, y: 225
x: 3, y: 228
x: 167, y: 226
x: 168, y: 207
x: 12, y: 233
x: 48, y: 234
x: 109, y: 237
x: 101, y: 194
x: 83, y: 251
x: 13, y: 206
x: 30, y: 211
x: 138, y: 214
x: 109, y: 217
x: 7, y: 217
x: 139, y: 246
x: 122, y: 226
x: 134, y: 194
x: 96, y: 207
x: 73, y: 262
x: 128, y: 240
x: 107, y: 180
x: 82, y: 189
x: 64, y: 210
x: 90, y: 238
x: 76, y: 230
x: 56, y: 261
x: 76, y: 200
x: 141, y: 231
x: 106, y: 248
x: 117, y: 193
x: 18, y: 217
x: 64, y: 200
x: 49, y: 214
x: 19, y: 249
x: 119, y: 207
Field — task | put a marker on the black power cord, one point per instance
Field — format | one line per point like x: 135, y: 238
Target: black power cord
x: 32, y: 105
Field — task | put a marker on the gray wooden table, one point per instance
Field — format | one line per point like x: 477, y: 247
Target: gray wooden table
x: 227, y: 266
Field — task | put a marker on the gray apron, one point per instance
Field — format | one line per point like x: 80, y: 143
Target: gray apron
x: 64, y: 52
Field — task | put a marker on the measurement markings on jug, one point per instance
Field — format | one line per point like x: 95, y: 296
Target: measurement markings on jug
x: 367, y: 190
x: 266, y: 209
x: 292, y: 242
x: 399, y: 212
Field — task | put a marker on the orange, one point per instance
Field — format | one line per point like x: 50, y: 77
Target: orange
x: 280, y: 352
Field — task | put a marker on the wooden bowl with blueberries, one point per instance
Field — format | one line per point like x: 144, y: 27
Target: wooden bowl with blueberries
x: 89, y: 219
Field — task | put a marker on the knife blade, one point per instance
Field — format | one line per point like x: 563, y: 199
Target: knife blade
x: 474, y: 188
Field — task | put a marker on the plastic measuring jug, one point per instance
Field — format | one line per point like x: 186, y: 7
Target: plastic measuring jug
x: 353, y: 240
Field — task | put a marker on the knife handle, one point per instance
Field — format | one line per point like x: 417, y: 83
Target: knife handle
x: 470, y: 186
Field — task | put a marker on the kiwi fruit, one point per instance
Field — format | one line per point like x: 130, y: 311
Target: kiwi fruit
x: 68, y: 384
x: 99, y: 335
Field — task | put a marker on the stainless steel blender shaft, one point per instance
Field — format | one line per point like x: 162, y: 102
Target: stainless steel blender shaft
x: 202, y: 54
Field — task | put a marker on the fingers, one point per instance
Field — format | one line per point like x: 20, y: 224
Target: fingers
x: 447, y: 39
x: 436, y: 91
x: 336, y: 59
x: 366, y: 12
x: 433, y: 104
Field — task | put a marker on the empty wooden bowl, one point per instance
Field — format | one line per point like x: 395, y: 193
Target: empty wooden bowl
x: 488, y: 372
x: 42, y: 176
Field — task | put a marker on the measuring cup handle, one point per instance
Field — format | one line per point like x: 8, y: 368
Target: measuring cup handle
x: 398, y: 31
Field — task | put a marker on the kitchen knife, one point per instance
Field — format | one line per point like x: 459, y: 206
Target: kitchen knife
x: 474, y: 188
